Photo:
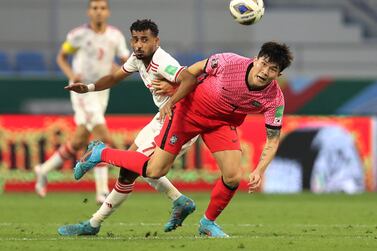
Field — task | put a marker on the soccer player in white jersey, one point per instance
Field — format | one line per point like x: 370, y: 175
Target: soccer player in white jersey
x: 152, y: 62
x: 94, y: 47
x: 213, y: 107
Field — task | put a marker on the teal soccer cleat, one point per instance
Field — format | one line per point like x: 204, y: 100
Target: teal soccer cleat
x: 182, y: 207
x: 83, y: 228
x: 90, y: 159
x: 211, y: 229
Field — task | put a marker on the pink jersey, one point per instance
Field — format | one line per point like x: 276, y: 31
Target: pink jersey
x: 225, y: 95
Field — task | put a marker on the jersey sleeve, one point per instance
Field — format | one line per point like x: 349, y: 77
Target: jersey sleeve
x: 214, y: 64
x: 130, y: 65
x: 122, y: 50
x: 274, y: 114
x: 169, y: 68
x: 73, y: 41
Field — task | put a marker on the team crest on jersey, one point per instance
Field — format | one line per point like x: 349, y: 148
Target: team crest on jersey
x: 279, y: 114
x: 171, y: 69
x: 214, y: 63
x: 173, y: 139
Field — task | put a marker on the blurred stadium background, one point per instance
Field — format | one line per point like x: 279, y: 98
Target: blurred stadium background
x: 329, y: 140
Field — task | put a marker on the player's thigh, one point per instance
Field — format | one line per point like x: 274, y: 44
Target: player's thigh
x: 225, y: 146
x: 176, y: 132
x: 145, y: 138
x: 160, y: 163
x: 229, y: 162
x: 80, y: 137
x: 222, y: 138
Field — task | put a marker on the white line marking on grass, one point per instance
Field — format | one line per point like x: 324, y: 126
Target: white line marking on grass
x: 149, y: 224
x: 136, y: 238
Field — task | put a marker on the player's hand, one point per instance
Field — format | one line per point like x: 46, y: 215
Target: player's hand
x: 255, y: 180
x: 77, y: 87
x: 166, y: 111
x: 163, y: 87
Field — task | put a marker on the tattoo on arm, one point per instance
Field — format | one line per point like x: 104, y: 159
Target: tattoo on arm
x: 273, y: 133
x: 266, y: 149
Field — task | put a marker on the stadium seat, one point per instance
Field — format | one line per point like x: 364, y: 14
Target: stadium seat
x: 30, y: 63
x: 5, y: 65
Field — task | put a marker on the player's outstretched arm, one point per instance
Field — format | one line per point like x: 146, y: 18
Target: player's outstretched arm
x: 268, y: 153
x: 197, y: 68
x: 164, y: 87
x: 103, y: 83
x: 187, y: 83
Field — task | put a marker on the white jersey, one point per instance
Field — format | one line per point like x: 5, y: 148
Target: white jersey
x: 93, y: 57
x: 95, y: 52
x: 162, y: 65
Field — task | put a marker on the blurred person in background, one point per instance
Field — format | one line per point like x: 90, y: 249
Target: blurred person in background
x: 151, y: 62
x: 94, y: 47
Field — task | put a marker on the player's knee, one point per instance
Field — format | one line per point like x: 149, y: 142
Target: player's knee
x: 232, y: 179
x: 126, y: 176
x: 155, y: 173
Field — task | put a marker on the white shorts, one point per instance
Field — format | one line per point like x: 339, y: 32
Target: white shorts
x: 145, y: 138
x: 90, y: 108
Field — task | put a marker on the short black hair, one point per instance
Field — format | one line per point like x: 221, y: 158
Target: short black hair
x: 145, y: 24
x: 277, y: 53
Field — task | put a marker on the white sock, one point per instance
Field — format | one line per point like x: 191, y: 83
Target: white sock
x: 52, y: 163
x: 112, y: 202
x: 101, y: 179
x: 164, y: 185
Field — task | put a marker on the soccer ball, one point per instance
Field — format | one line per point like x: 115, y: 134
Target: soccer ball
x: 246, y: 12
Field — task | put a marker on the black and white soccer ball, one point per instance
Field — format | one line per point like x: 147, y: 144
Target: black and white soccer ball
x: 247, y: 12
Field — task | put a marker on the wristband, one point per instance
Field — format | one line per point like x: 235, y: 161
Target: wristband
x: 91, y: 87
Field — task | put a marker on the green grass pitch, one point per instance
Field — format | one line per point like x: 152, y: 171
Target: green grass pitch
x: 255, y: 222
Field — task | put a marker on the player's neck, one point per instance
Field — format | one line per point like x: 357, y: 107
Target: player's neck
x: 147, y: 61
x: 98, y: 27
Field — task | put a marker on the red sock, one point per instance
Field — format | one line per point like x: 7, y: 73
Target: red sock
x: 130, y: 160
x: 220, y: 197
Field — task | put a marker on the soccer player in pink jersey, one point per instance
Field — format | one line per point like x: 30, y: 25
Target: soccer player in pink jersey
x: 232, y: 87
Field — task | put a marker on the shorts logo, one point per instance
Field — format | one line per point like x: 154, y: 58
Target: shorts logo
x: 173, y: 139
x: 214, y: 63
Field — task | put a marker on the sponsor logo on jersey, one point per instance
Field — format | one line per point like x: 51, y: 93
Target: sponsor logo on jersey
x: 171, y: 69
x: 279, y: 114
x: 173, y: 139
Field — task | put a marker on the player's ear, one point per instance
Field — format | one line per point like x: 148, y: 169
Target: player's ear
x: 157, y: 41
